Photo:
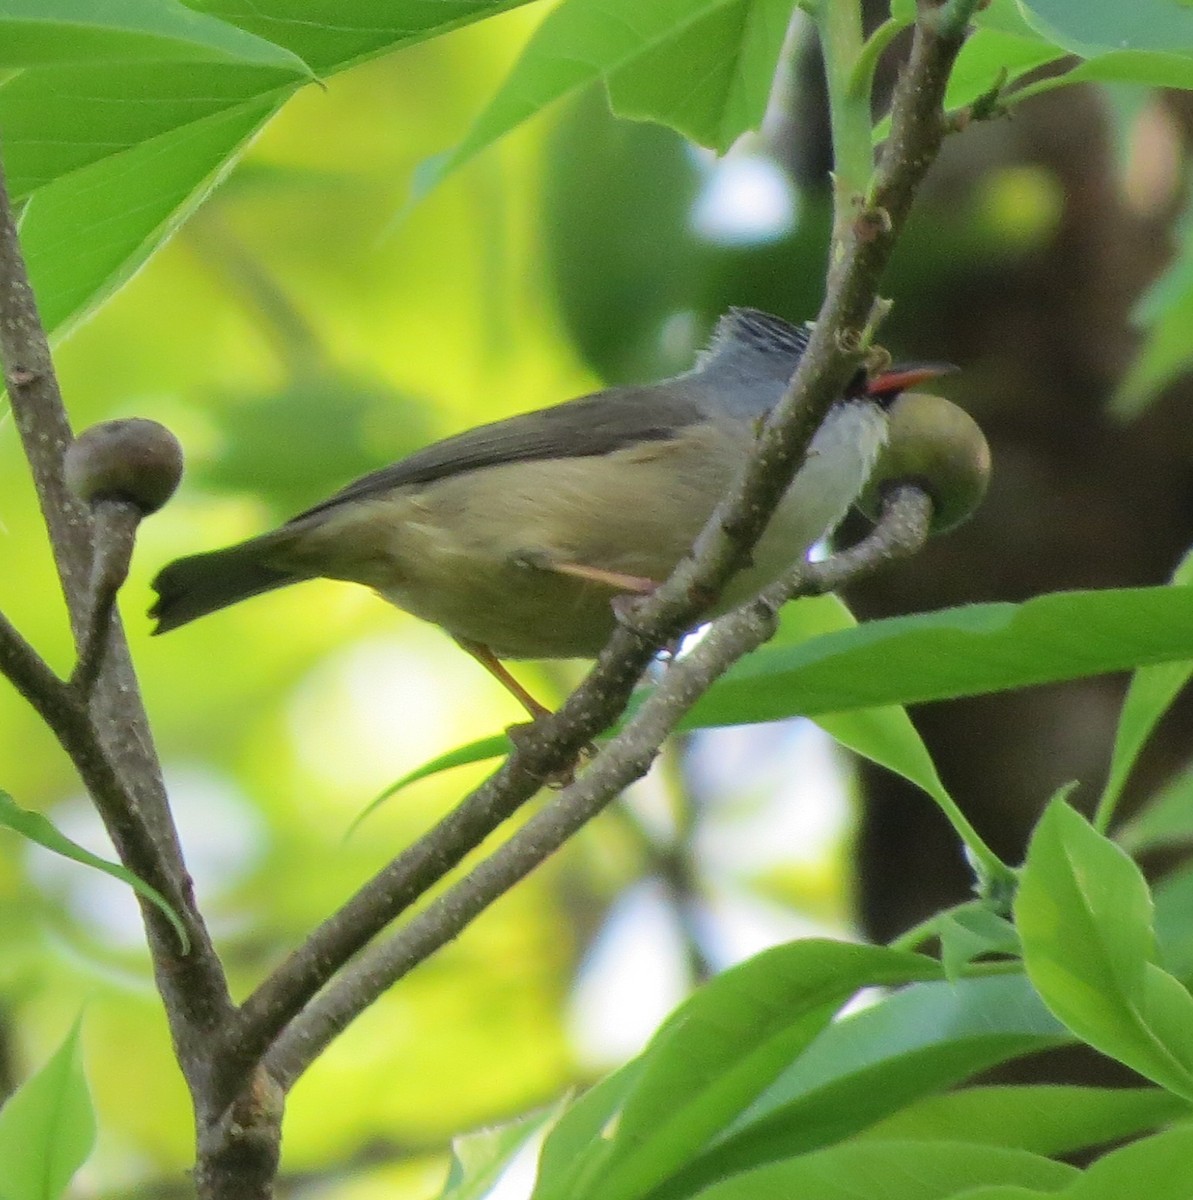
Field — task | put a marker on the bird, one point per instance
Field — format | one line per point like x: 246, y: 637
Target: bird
x: 519, y: 537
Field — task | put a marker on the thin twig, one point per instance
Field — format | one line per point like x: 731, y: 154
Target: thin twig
x: 115, y: 523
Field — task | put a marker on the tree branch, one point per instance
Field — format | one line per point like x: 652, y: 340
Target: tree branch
x: 902, y: 530
x: 105, y: 733
x: 553, y: 742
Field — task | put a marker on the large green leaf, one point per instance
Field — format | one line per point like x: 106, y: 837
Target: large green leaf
x: 1155, y: 1168
x: 331, y: 35
x: 644, y: 52
x: 1045, y: 1118
x: 40, y: 829
x: 715, y: 1053
x: 884, y: 735
x: 866, y: 1066
x: 1091, y: 27
x: 88, y: 232
x: 1084, y: 915
x: 578, y: 1137
x: 112, y: 31
x: 38, y: 106
x: 712, y: 81
x: 850, y: 679
x: 956, y: 652
x: 114, y: 160
x: 47, y: 1128
x: 896, y: 1170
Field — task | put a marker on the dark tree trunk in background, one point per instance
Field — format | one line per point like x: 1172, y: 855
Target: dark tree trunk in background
x: 1078, y: 499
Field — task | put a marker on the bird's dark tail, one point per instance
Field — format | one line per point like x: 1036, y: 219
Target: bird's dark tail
x: 192, y: 587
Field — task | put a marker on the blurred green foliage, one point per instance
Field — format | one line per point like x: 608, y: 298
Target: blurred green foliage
x: 306, y: 326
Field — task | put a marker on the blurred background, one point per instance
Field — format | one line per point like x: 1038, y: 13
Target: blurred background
x: 300, y: 330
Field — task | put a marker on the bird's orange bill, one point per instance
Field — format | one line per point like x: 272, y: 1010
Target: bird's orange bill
x: 639, y: 585
x: 497, y: 669
x: 906, y: 375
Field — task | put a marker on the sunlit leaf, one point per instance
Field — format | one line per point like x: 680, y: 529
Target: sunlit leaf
x: 40, y: 829
x: 896, y: 1170
x: 1149, y: 697
x: 718, y: 1051
x: 1051, y: 1119
x: 117, y: 159
x: 626, y: 42
x: 868, y: 1065
x: 47, y: 1127
x: 711, y: 81
x: 42, y: 31
x: 479, y: 1159
x: 1158, y: 1167
x: 965, y: 651
x: 955, y: 652
x: 1084, y: 914
x: 88, y: 232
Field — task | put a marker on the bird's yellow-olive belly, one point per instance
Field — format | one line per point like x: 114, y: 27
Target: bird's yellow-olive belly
x: 476, y: 552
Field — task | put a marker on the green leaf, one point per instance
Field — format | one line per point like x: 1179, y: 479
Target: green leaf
x: 1164, y: 311
x: 995, y: 1191
x: 1158, y: 1168
x: 479, y: 1159
x: 116, y: 211
x: 970, y: 931
x: 332, y: 35
x: 966, y: 651
x: 578, y: 1140
x: 47, y: 1127
x: 40, y: 105
x: 1044, y: 1118
x: 1091, y: 27
x: 1005, y: 16
x: 1173, y: 899
x: 1149, y: 697
x: 895, y: 1170
x: 1084, y: 914
x: 718, y: 1051
x: 110, y: 180
x: 711, y: 82
x: 885, y: 735
x: 986, y: 55
x: 478, y: 751
x: 1148, y: 67
x: 41, y: 830
x: 1166, y: 820
x: 620, y: 41
x: 868, y: 1065
x: 963, y: 651
x: 45, y: 31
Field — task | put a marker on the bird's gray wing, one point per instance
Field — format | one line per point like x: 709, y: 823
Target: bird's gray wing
x: 591, y: 425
